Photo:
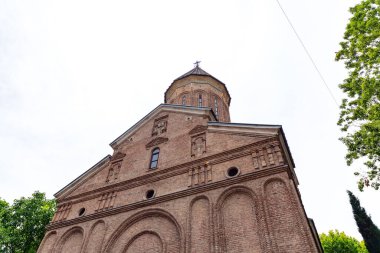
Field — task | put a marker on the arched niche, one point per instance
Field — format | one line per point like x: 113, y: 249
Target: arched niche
x: 158, y: 221
x: 48, y: 242
x: 96, y: 237
x: 71, y: 241
x: 286, y: 229
x: 199, y: 224
x: 145, y: 242
x: 240, y: 222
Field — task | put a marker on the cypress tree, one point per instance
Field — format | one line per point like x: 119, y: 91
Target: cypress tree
x: 369, y: 231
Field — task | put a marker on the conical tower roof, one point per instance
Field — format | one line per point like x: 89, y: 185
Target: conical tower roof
x: 197, y: 71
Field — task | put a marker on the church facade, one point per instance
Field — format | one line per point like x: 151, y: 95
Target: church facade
x: 184, y: 179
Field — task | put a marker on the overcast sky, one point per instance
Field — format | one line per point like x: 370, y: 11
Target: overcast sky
x: 74, y: 75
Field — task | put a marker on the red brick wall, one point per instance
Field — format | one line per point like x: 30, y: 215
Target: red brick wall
x: 196, y: 207
x: 200, y: 231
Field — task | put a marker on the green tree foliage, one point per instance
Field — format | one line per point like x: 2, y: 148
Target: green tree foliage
x: 22, y: 225
x: 360, y: 110
x: 339, y: 242
x: 368, y: 230
x: 4, y: 239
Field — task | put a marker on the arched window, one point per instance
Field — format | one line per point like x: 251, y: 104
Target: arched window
x: 200, y: 100
x: 154, y: 158
x: 184, y: 100
x: 216, y: 106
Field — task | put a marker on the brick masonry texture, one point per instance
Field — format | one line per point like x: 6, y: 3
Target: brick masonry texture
x: 190, y: 201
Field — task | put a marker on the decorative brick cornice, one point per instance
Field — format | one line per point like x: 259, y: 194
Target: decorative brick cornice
x: 118, y: 156
x: 156, y: 141
x: 171, y: 171
x: 171, y: 196
x: 198, y: 129
x: 161, y: 118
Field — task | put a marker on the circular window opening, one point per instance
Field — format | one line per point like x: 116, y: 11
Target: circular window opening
x: 233, y: 172
x: 81, y: 211
x: 150, y: 194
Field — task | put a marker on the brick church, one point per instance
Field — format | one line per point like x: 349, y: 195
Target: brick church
x: 184, y: 179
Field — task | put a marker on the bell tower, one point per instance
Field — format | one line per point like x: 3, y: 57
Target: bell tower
x: 200, y: 89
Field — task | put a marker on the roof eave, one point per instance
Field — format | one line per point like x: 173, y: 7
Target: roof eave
x: 83, y: 175
x: 278, y: 127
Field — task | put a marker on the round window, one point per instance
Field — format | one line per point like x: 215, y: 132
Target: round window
x: 82, y: 211
x: 150, y: 194
x: 233, y: 172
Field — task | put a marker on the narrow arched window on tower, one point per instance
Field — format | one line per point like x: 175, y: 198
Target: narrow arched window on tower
x: 216, y: 106
x: 184, y: 100
x: 200, y: 100
x: 154, y: 158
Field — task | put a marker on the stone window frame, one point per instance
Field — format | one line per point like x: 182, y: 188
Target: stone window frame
x: 232, y: 167
x: 200, y: 100
x: 205, y: 97
x: 217, y: 105
x: 151, y: 190
x: 151, y: 161
x: 82, y: 211
x: 184, y: 95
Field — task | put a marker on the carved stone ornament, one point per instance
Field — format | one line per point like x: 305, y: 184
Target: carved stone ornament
x: 160, y: 126
x: 198, y: 129
x: 267, y: 156
x: 156, y: 141
x: 106, y: 201
x: 200, y: 175
x: 62, y: 212
x: 113, y: 172
x: 198, y: 145
x: 117, y: 156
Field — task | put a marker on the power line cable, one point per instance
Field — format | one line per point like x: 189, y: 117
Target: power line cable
x: 307, y: 52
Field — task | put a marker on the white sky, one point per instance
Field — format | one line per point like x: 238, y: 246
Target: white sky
x: 74, y: 75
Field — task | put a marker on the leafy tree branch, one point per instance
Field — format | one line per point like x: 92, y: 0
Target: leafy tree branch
x: 360, y: 110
